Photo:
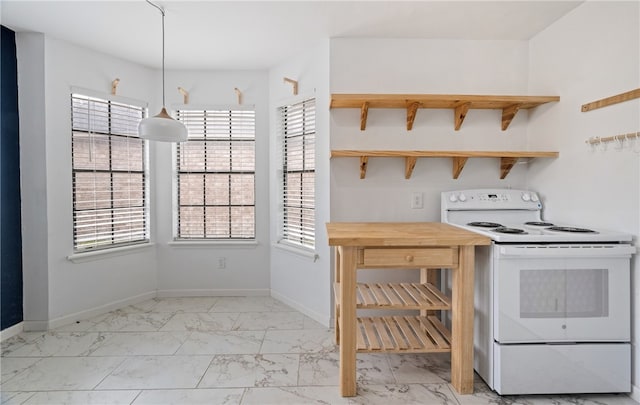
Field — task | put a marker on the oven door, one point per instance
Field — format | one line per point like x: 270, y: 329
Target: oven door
x: 561, y: 293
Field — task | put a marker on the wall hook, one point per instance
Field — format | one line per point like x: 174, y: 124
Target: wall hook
x: 239, y: 94
x: 185, y: 95
x: 114, y: 86
x: 294, y: 83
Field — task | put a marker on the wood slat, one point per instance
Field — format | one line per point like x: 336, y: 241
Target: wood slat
x: 391, y: 295
x: 406, y: 297
x: 402, y: 334
x: 434, y: 295
x: 398, y: 296
x: 367, y: 298
x: 381, y: 299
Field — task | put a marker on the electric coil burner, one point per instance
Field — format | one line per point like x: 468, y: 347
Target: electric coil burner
x: 552, y: 301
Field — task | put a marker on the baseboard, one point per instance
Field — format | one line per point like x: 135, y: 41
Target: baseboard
x: 323, y: 320
x: 635, y: 393
x: 212, y: 293
x: 103, y: 309
x: 35, y: 326
x: 11, y: 331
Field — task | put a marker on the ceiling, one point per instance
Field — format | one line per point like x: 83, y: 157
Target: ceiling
x: 230, y: 35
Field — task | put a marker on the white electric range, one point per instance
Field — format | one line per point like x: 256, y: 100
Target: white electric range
x: 552, y: 300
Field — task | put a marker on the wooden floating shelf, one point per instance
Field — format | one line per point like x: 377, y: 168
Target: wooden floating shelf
x: 402, y: 334
x: 507, y: 158
x: 461, y: 104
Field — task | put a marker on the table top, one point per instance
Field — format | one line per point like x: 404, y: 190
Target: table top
x: 401, y: 234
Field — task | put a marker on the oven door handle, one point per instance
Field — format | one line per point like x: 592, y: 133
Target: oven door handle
x: 587, y: 250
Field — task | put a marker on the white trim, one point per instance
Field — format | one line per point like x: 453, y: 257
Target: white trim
x: 108, y: 97
x: 296, y: 249
x: 109, y: 252
x: 321, y: 319
x: 11, y: 331
x: 196, y: 243
x: 35, y: 326
x: 213, y: 293
x: 102, y: 309
x: 635, y: 393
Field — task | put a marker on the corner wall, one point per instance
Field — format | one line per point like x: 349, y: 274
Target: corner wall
x: 300, y: 280
x: 57, y: 290
x: 591, y: 53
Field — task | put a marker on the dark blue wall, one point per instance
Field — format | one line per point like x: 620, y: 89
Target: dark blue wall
x: 10, y: 235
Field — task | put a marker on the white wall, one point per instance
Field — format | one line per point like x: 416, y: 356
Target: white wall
x: 430, y: 67
x: 297, y: 279
x: 192, y: 269
x: 69, y: 288
x: 591, y: 53
x: 31, y: 75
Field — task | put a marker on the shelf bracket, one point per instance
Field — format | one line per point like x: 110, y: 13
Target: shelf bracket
x: 364, y: 111
x: 409, y: 164
x: 364, y: 160
x: 458, y: 165
x: 459, y: 114
x: 411, y: 114
x: 239, y: 94
x: 507, y: 115
x: 506, y: 164
x: 293, y: 83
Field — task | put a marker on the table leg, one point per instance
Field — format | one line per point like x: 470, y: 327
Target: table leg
x: 462, y: 322
x: 336, y: 307
x: 348, y: 321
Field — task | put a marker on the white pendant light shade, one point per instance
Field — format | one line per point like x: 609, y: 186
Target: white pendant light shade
x: 162, y: 128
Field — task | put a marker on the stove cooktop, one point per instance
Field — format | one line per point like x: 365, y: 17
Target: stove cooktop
x: 514, y: 216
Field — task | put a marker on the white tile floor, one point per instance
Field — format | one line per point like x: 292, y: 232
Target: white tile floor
x: 222, y: 350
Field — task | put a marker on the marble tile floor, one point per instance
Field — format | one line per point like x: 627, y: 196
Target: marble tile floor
x: 223, y: 350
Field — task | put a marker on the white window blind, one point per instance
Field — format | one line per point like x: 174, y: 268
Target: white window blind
x: 216, y: 175
x: 297, y: 134
x: 109, y: 174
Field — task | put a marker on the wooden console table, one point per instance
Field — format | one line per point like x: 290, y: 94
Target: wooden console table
x: 419, y: 245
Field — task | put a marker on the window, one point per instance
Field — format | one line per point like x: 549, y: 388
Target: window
x: 297, y: 134
x: 216, y: 175
x: 109, y: 174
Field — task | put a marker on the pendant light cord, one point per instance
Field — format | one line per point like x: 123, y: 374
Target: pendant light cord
x: 161, y: 12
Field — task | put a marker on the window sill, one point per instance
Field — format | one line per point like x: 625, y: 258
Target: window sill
x: 248, y: 244
x: 298, y: 250
x: 106, y: 253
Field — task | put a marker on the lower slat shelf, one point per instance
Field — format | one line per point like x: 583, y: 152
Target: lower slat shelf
x: 402, y: 334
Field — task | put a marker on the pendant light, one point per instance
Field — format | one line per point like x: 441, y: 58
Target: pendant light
x: 162, y: 127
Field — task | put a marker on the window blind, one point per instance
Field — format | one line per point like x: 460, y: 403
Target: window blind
x: 216, y: 175
x: 108, y: 174
x: 297, y: 128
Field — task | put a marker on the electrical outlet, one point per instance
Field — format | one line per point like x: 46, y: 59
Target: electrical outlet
x: 417, y: 200
x: 222, y: 263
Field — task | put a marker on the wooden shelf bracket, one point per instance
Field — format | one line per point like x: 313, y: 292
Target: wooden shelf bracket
x: 412, y: 109
x: 508, y: 113
x: 506, y: 164
x: 364, y: 161
x: 239, y: 94
x: 364, y: 111
x: 409, y: 165
x: 459, y: 114
x: 458, y: 165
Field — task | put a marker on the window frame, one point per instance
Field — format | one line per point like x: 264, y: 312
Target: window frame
x: 285, y: 238
x: 182, y: 114
x: 145, y: 230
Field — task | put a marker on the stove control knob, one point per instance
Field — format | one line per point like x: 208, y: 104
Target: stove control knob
x: 534, y: 197
x: 526, y: 197
x: 462, y: 197
x: 453, y: 198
